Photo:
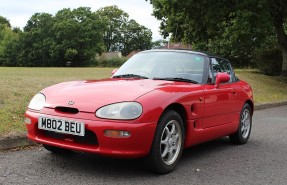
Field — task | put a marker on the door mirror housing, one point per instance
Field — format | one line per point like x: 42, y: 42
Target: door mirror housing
x: 221, y: 78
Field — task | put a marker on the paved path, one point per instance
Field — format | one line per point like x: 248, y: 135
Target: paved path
x: 261, y: 161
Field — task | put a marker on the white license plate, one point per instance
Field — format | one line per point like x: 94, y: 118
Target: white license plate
x: 62, y: 126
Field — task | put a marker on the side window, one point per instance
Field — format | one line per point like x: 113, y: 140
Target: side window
x: 221, y: 66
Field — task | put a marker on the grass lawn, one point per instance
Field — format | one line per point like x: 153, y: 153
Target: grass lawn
x: 266, y: 89
x: 19, y: 85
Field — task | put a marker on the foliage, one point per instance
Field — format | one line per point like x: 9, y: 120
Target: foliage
x: 269, y: 61
x: 122, y: 34
x: 37, y: 41
x: 9, y: 45
x: 111, y: 62
x: 78, y: 35
x: 71, y: 37
x: 233, y: 28
x: 115, y: 19
x: 11, y: 48
x: 4, y: 21
x: 159, y: 43
x: 135, y: 37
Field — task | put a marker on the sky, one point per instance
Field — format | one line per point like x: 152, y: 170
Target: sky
x: 18, y: 12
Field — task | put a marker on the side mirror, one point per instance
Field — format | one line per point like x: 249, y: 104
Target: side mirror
x: 221, y: 78
x: 114, y: 71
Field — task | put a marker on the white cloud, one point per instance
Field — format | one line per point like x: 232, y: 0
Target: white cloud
x: 18, y: 12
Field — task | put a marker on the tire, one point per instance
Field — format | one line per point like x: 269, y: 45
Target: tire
x: 244, y: 129
x: 56, y: 150
x: 168, y: 143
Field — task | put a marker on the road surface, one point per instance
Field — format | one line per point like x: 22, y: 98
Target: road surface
x: 263, y: 160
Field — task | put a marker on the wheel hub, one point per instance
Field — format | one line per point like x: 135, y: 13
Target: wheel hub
x: 171, y: 142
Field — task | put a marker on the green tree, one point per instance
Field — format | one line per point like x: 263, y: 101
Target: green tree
x: 9, y: 46
x: 38, y: 41
x: 71, y: 37
x: 78, y: 36
x: 230, y: 27
x: 159, y: 43
x: 116, y: 20
x: 4, y: 32
x: 122, y: 34
x: 11, y: 50
x: 4, y: 21
x: 135, y: 37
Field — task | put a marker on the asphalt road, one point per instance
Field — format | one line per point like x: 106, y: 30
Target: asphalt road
x: 263, y: 160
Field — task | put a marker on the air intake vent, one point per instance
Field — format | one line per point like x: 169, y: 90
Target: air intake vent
x: 69, y: 110
x: 90, y: 137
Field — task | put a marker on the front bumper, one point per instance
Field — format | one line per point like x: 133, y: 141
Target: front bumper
x: 95, y: 141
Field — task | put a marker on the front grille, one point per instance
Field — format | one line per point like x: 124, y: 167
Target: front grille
x: 90, y: 138
x: 67, y: 110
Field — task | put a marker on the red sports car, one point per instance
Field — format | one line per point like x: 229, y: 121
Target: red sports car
x: 156, y: 104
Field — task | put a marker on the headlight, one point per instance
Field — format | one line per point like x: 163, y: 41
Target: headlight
x: 37, y: 102
x: 124, y: 110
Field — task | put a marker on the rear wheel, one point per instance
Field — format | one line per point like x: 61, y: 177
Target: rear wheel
x: 244, y: 129
x: 168, y: 143
x: 56, y: 150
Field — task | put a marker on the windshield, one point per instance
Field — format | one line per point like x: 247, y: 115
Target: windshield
x: 164, y: 65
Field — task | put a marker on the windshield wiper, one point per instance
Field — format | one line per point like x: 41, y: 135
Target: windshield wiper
x: 176, y: 79
x: 130, y: 76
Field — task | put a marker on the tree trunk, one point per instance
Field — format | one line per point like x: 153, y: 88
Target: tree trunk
x: 284, y: 66
x: 278, y: 12
x: 282, y: 41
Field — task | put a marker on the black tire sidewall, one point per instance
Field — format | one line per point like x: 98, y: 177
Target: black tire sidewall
x: 158, y: 164
x: 238, y: 136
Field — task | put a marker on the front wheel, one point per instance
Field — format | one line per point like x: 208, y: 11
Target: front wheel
x: 244, y: 129
x: 168, y: 143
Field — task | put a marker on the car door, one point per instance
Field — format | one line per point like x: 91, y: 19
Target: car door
x: 219, y: 101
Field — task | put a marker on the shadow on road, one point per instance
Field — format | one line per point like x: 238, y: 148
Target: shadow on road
x: 94, y: 164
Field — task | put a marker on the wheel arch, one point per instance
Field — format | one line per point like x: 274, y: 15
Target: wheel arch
x: 250, y: 103
x: 154, y: 158
x: 179, y: 108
